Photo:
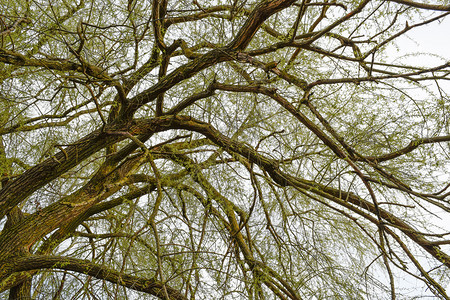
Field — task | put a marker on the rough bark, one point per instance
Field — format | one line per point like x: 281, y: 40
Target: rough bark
x: 141, y: 284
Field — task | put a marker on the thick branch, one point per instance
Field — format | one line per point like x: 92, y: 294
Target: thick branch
x: 178, y: 75
x: 38, y: 176
x: 254, y: 21
x: 15, y: 58
x: 146, y: 285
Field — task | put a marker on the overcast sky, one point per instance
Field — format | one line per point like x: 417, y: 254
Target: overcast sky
x: 432, y: 38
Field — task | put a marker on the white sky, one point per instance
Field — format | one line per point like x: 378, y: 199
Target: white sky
x: 432, y: 38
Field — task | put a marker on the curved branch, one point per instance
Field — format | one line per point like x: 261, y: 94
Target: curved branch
x: 146, y: 285
x: 254, y: 21
x: 423, y: 5
x: 411, y: 146
x: 271, y: 92
x: 283, y: 179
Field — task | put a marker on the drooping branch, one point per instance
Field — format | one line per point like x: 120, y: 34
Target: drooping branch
x: 141, y: 284
x: 283, y: 179
x: 290, y: 108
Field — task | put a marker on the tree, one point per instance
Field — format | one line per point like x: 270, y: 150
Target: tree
x: 221, y: 149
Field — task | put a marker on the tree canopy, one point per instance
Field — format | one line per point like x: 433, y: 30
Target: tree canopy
x: 253, y: 149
